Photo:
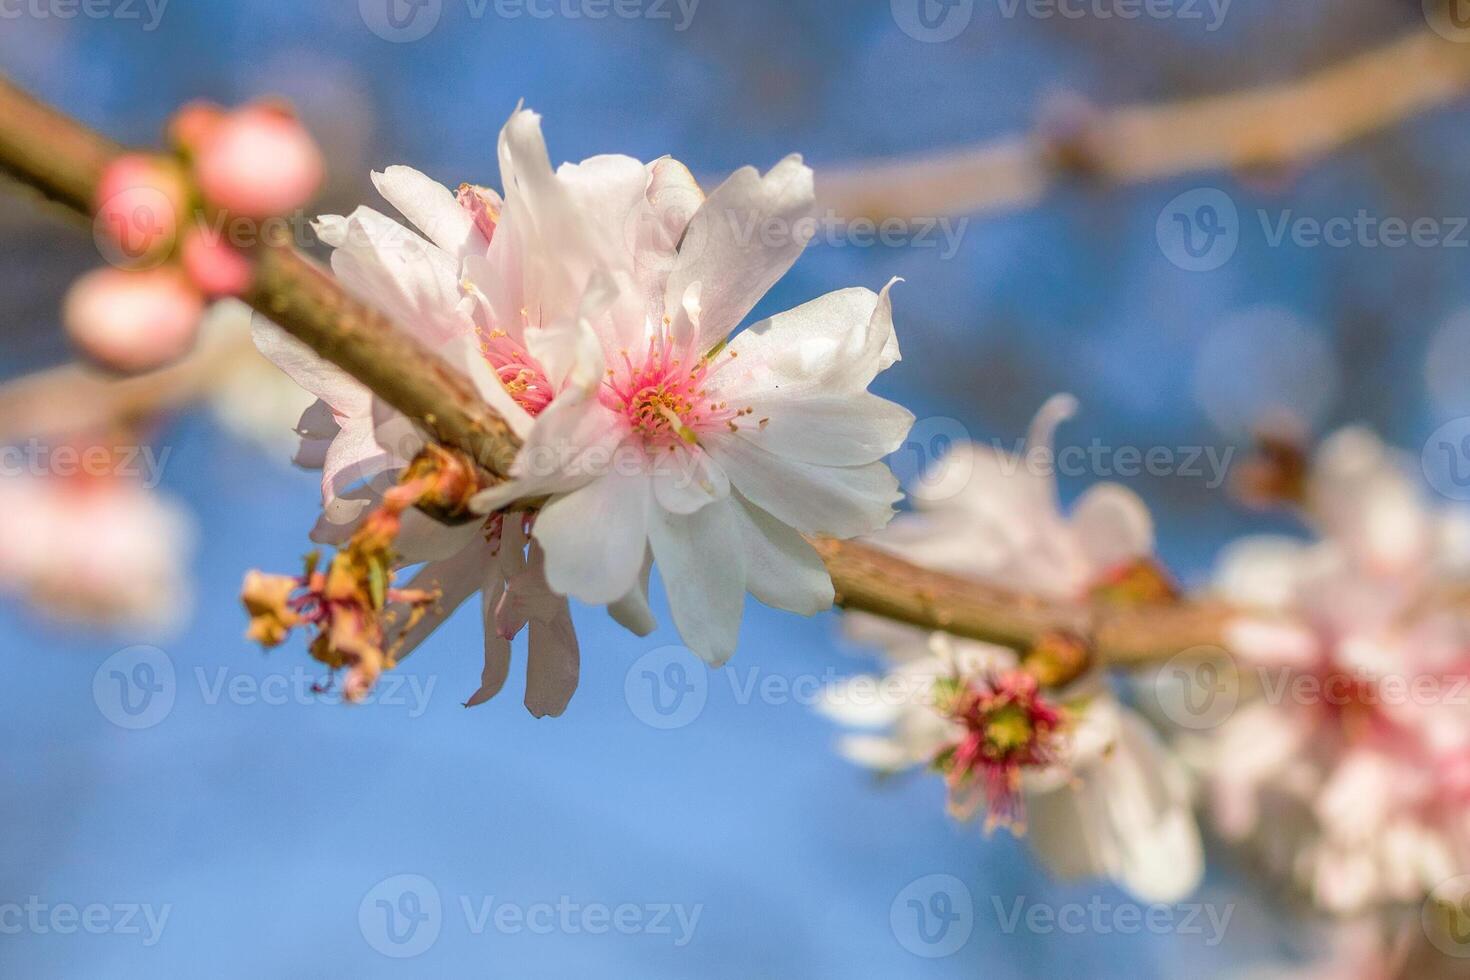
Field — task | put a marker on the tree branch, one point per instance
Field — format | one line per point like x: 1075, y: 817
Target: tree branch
x: 1269, y: 127
x: 35, y: 143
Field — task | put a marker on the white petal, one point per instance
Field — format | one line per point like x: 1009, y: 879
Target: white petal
x: 834, y: 344
x: 841, y: 501
x: 595, y: 538
x: 874, y: 752
x: 856, y: 702
x: 414, y: 282
x: 568, y: 349
x: 686, y: 479
x: 573, y: 441
x: 1113, y: 526
x: 344, y: 393
x: 781, y: 569
x: 745, y: 237
x: 631, y: 611
x: 433, y: 210
x: 701, y: 561
x: 833, y: 430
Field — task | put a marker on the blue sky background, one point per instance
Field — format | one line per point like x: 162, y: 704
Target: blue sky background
x: 266, y: 828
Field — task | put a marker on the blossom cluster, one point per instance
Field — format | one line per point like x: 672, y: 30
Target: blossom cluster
x: 153, y: 224
x: 597, y: 308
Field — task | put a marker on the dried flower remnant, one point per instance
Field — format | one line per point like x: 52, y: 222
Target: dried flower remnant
x: 352, y: 603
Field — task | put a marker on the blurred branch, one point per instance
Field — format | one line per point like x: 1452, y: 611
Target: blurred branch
x: 307, y: 302
x: 1263, y: 128
x: 75, y: 398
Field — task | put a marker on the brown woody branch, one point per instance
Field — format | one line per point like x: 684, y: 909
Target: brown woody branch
x: 1269, y: 128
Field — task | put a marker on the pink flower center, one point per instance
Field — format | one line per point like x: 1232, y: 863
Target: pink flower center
x: 664, y: 397
x: 518, y: 372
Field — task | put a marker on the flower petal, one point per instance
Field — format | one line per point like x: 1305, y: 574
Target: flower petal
x: 832, y: 430
x: 841, y: 501
x: 702, y: 563
x: 1113, y: 526
x: 553, y: 665
x: 745, y: 237
x: 411, y: 280
x: 686, y: 479
x: 631, y: 611
x: 433, y: 210
x: 781, y: 569
x: 595, y: 537
x: 835, y: 344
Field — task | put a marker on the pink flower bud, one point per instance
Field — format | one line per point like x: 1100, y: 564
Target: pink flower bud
x: 193, y: 124
x: 133, y: 321
x: 141, y: 201
x: 258, y: 162
x: 214, y: 266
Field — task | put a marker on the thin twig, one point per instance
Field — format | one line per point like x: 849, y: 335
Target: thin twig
x: 1272, y: 127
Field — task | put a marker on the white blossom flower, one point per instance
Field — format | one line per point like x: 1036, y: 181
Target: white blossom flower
x: 1112, y: 802
x: 677, y: 442
x: 591, y: 308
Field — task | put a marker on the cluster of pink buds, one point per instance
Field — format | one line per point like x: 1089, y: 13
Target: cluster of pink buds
x: 351, y: 602
x: 160, y: 221
x: 1004, y: 728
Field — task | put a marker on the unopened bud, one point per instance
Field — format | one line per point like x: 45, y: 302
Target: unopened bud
x: 214, y: 266
x: 133, y: 321
x: 141, y: 202
x: 258, y: 162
